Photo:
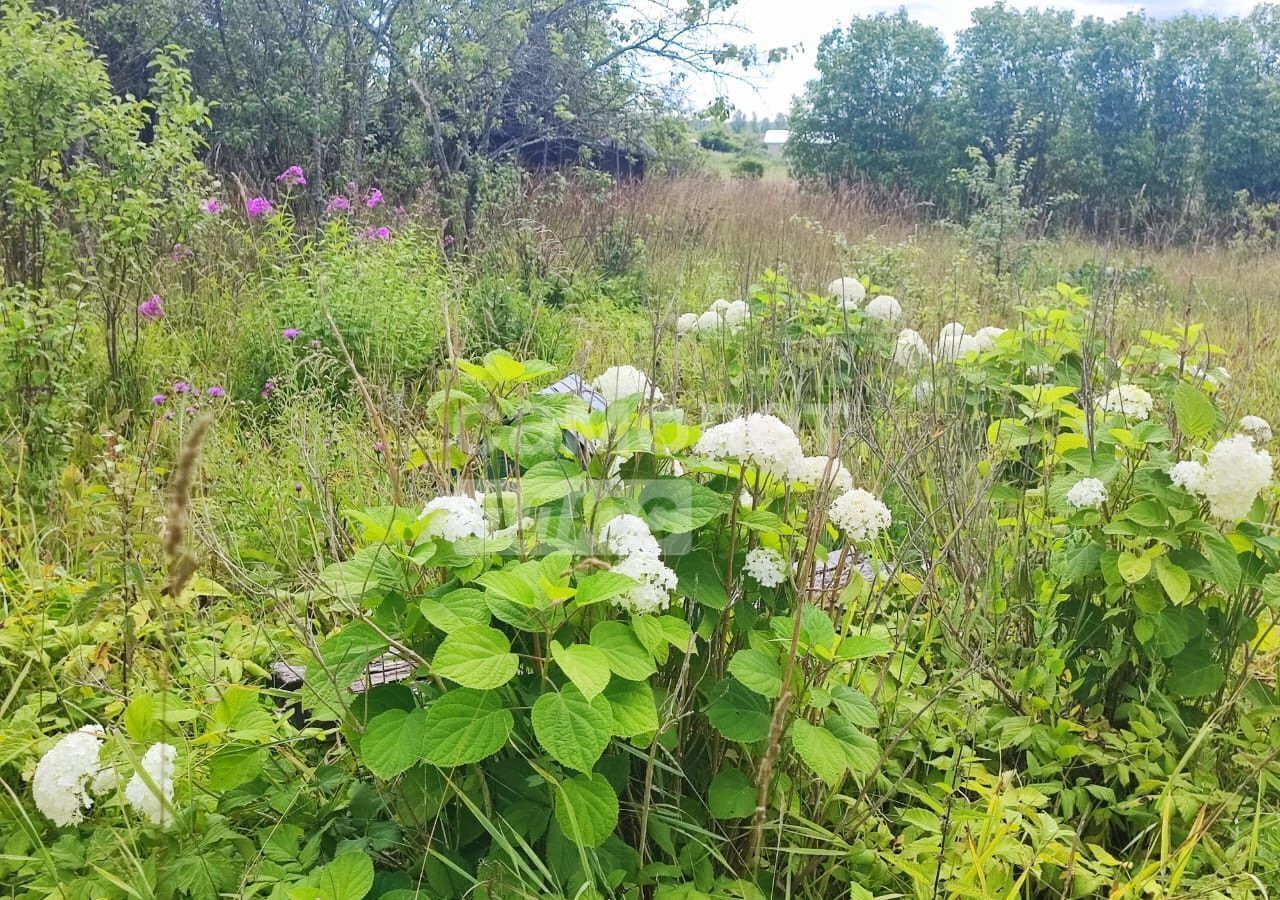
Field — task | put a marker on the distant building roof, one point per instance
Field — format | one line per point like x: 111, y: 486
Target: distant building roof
x: 776, y: 136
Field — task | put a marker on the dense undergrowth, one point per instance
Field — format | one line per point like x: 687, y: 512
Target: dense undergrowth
x: 929, y: 581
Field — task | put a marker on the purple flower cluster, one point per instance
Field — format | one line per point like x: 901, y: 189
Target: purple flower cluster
x: 338, y: 204
x: 258, y: 206
x: 151, y: 309
x: 184, y: 389
x: 290, y: 334
x: 267, y: 389
x: 210, y: 206
x: 293, y: 177
x: 381, y: 233
x: 374, y: 199
x: 181, y: 252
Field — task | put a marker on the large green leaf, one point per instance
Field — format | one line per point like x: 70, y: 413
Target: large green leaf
x: 678, y: 505
x: 732, y: 795
x: 549, y: 481
x: 586, y: 809
x: 1174, y: 579
x: 573, y: 729
x: 1194, y: 672
x: 820, y: 750
x: 758, y: 671
x: 1195, y: 412
x: 464, y: 726
x: 456, y: 609
x: 476, y: 656
x: 635, y: 712
x: 627, y: 657
x: 586, y: 666
x: 737, y: 713
x: 600, y: 586
x: 348, y: 877
x: 392, y: 741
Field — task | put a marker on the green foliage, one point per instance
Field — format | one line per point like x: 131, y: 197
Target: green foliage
x: 1151, y: 126
x: 91, y: 185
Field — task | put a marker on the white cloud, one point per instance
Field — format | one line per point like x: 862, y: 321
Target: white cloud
x: 800, y: 24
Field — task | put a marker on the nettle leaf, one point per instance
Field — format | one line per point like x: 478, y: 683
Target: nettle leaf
x: 456, y: 609
x: 573, y: 729
x: 586, y: 808
x: 600, y: 586
x: 738, y: 713
x: 731, y: 796
x: 348, y: 877
x: 476, y: 656
x: 635, y: 712
x: 1194, y: 411
x: 586, y: 666
x: 627, y: 657
x: 820, y: 750
x: 392, y: 741
x: 465, y: 726
x: 369, y: 569
x: 758, y: 671
x: 342, y: 659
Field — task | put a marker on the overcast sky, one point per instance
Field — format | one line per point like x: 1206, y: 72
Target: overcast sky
x: 801, y: 23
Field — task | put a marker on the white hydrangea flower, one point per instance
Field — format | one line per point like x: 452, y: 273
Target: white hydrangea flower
x: 766, y: 566
x: 158, y: 763
x: 628, y: 537
x: 626, y: 534
x: 760, y: 439
x: 1257, y: 428
x: 986, y: 337
x: 687, y: 323
x: 952, y: 346
x: 463, y: 517
x: 1040, y: 373
x: 1218, y: 376
x: 736, y: 313
x: 848, y: 292
x: 653, y: 593
x: 860, y: 514
x: 709, y: 321
x: 61, y: 783
x: 617, y: 382
x: 1087, y: 493
x: 1234, y: 474
x: 884, y: 308
x: 720, y: 306
x: 1188, y: 475
x: 910, y: 351
x: 812, y: 470
x: 105, y: 781
x: 1128, y: 400
x: 922, y: 391
x: 951, y: 330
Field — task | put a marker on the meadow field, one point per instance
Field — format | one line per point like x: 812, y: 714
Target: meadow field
x: 630, y: 668
x: 507, y: 529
